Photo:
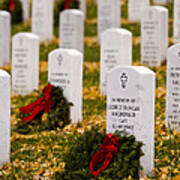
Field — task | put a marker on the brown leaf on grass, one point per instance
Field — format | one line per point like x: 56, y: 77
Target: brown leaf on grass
x: 43, y: 66
x: 91, y: 66
x: 91, y: 21
x: 91, y: 41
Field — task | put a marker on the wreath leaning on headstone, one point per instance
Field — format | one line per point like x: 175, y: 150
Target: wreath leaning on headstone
x: 61, y: 5
x: 50, y: 111
x: 95, y: 155
x: 15, y: 8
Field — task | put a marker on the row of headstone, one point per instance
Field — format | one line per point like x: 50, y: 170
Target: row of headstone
x: 65, y: 69
x: 136, y: 8
x: 71, y: 24
x: 154, y: 29
x: 130, y: 90
x: 131, y: 98
x: 116, y: 44
x: 24, y: 53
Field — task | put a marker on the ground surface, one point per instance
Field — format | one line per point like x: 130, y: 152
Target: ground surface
x: 39, y: 155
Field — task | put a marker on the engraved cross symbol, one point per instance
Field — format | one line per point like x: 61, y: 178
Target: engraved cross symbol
x: 123, y: 80
x: 60, y: 58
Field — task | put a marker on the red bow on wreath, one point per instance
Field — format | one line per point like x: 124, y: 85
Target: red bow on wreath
x: 11, y: 5
x: 43, y: 104
x: 67, y: 4
x: 105, y: 154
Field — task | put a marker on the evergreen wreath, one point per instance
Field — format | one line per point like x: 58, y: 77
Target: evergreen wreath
x: 82, y: 149
x: 44, y: 114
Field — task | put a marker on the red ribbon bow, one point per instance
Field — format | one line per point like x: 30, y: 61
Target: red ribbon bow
x: 105, y: 154
x: 42, y: 104
x: 11, y: 5
x: 67, y: 4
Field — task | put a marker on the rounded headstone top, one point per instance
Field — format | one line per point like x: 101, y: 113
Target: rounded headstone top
x: 27, y: 35
x: 4, y: 74
x: 71, y: 52
x: 118, y: 31
x: 4, y: 13
x: 161, y: 8
x: 138, y: 69
x: 174, y: 47
x: 173, y: 54
x: 73, y: 11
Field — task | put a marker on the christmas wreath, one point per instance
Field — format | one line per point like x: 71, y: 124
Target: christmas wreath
x: 50, y: 111
x: 15, y: 8
x: 61, y: 5
x: 95, y: 155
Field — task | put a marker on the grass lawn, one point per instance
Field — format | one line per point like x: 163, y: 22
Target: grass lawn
x: 40, y: 154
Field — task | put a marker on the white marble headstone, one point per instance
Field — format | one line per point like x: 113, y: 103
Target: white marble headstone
x: 176, y: 22
x: 83, y: 7
x: 109, y: 15
x: 42, y: 19
x: 25, y: 7
x: 173, y: 87
x: 116, y: 49
x: 160, y: 2
x: 5, y: 106
x: 25, y: 63
x: 135, y: 8
x: 130, y: 107
x: 5, y: 31
x: 71, y: 30
x: 65, y: 69
x: 154, y: 35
